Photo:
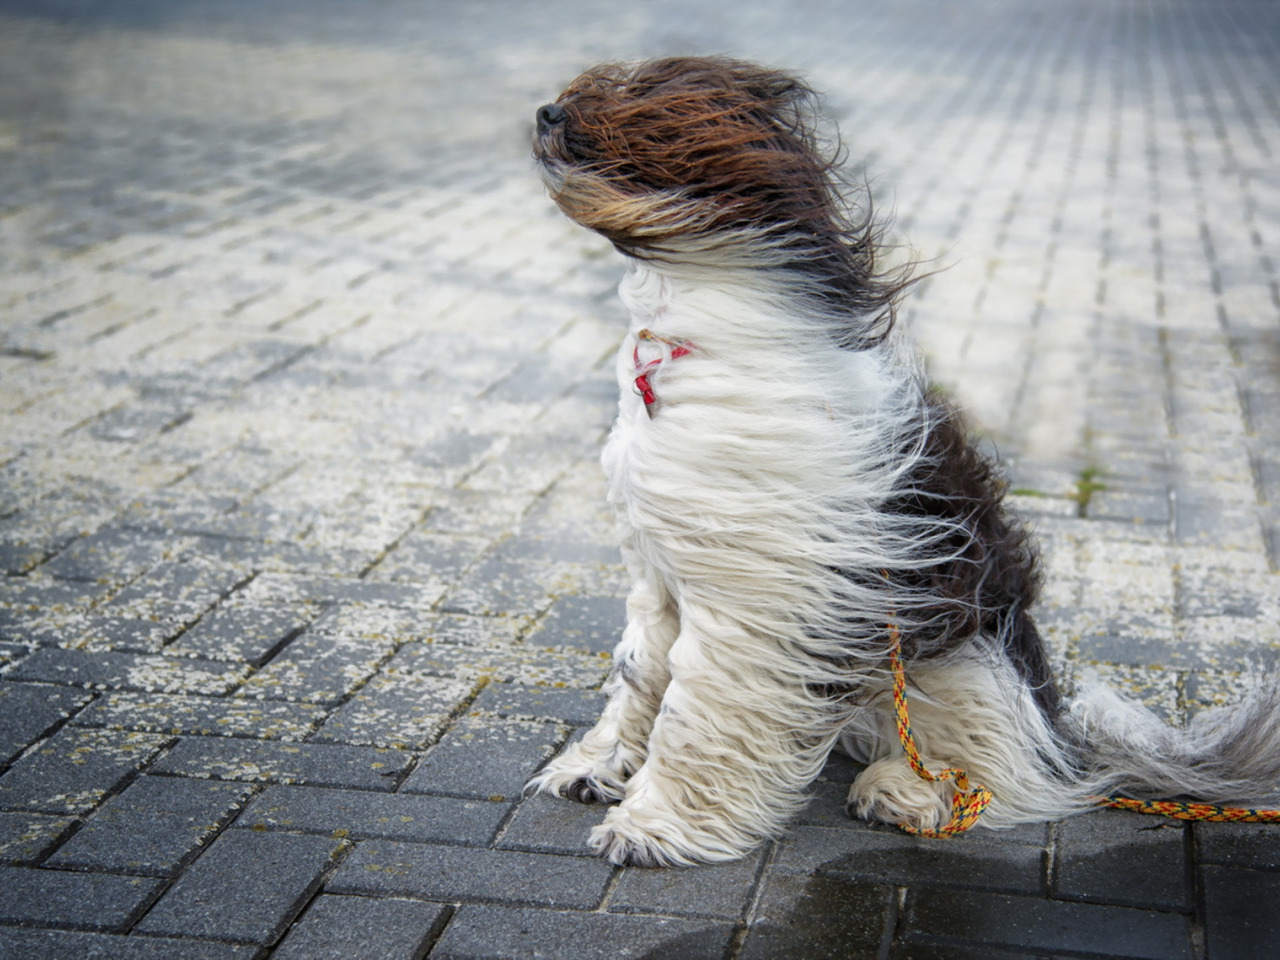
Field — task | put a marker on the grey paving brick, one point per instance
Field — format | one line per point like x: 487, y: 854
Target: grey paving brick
x: 493, y: 932
x: 33, y: 595
x: 74, y: 770
x: 318, y: 668
x: 84, y: 901
x: 362, y: 815
x: 385, y: 868
x: 544, y: 824
x: 181, y: 590
x: 105, y: 671
x: 1114, y: 856
x: 515, y: 662
x: 405, y: 711
x: 496, y: 587
x: 338, y: 928
x: 204, y: 716
x: 964, y: 916
x: 422, y: 554
x: 931, y: 951
x: 276, y: 587
x: 594, y: 624
x: 23, y: 944
x: 483, y: 756
x: 27, y: 837
x: 317, y: 764
x: 110, y: 555
x: 820, y: 918
x: 246, y: 888
x: 250, y: 634
x: 885, y: 855
x: 721, y: 891
x: 577, y: 707
x: 126, y: 634
x: 154, y: 827
x: 30, y: 711
x: 1238, y: 844
x: 1242, y: 913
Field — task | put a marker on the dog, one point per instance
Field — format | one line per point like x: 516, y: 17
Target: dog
x: 795, y: 502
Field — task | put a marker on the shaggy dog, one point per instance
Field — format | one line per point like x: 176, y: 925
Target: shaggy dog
x: 793, y: 500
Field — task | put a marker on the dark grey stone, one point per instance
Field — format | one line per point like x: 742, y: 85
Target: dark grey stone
x: 22, y: 944
x: 495, y: 587
x: 946, y: 916
x: 423, y: 555
x: 246, y: 888
x: 154, y: 827
x: 405, y: 711
x: 342, y: 928
x: 203, y: 716
x: 576, y: 707
x: 130, y: 671
x: 951, y: 951
x: 1118, y: 857
x: 484, y: 756
x: 30, y: 711
x: 27, y: 837
x: 28, y: 596
x: 251, y: 634
x: 1238, y: 844
x: 525, y: 663
x: 499, y: 933
x: 720, y: 891
x: 1241, y: 913
x: 589, y: 623
x: 360, y: 815
x: 129, y: 634
x: 819, y: 918
x: 74, y: 770
x: 110, y: 555
x: 82, y: 901
x: 547, y: 824
x: 888, y: 855
x: 318, y: 668
x: 317, y: 764
x: 180, y: 590
x: 384, y: 868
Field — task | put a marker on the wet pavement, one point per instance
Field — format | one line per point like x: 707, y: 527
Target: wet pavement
x: 302, y: 386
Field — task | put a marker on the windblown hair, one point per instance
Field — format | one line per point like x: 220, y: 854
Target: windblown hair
x: 660, y: 156
x: 791, y: 495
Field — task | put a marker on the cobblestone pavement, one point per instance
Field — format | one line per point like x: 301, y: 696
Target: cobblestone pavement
x: 302, y: 383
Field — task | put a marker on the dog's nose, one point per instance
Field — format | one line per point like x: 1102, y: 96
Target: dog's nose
x: 550, y: 115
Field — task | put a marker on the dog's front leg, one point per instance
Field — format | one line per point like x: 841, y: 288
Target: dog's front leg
x: 735, y: 742
x: 596, y: 768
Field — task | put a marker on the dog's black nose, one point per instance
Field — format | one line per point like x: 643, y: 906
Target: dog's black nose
x: 550, y: 115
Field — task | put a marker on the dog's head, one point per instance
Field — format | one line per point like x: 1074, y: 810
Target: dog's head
x: 722, y: 163
x: 662, y: 155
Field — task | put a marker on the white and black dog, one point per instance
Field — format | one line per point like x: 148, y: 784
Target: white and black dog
x: 791, y: 494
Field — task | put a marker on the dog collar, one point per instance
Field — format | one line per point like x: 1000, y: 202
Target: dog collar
x: 672, y: 349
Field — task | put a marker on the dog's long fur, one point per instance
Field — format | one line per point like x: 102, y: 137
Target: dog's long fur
x: 794, y: 490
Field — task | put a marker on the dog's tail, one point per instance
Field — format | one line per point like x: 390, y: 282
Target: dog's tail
x: 1228, y: 756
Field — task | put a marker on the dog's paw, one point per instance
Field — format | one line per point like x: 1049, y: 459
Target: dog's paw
x: 891, y: 792
x: 642, y: 836
x: 633, y: 839
x: 576, y: 775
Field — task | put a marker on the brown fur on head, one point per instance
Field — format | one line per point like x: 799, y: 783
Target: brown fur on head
x: 691, y: 158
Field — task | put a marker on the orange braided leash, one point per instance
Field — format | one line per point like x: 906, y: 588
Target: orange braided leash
x: 967, y: 803
x: 1192, y: 811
